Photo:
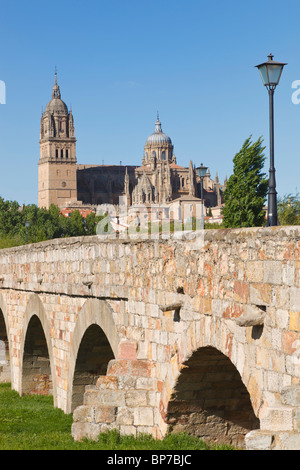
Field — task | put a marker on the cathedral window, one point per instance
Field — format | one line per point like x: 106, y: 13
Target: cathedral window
x: 67, y: 153
x: 62, y: 153
x: 56, y: 153
x: 163, y: 155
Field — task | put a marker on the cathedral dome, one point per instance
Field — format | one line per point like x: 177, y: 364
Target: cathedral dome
x: 56, y: 105
x: 158, y: 137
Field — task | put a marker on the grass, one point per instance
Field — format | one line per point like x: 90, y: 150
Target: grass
x: 32, y: 423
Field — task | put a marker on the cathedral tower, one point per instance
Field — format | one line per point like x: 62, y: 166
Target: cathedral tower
x: 158, y: 148
x: 57, y: 165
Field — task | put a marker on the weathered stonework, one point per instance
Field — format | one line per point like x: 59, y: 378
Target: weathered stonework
x: 160, y: 335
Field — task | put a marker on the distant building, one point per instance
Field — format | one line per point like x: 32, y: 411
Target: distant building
x: 159, y: 181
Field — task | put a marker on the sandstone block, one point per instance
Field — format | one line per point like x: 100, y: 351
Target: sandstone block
x: 277, y: 419
x: 107, y: 382
x: 112, y: 397
x: 125, y: 416
x: 83, y: 413
x: 295, y: 321
x: 105, y: 414
x: 291, y: 395
x: 136, y: 398
x: 272, y: 272
x: 141, y: 368
x: 143, y: 416
x: 259, y: 440
x: 254, y: 271
x: 118, y: 367
x: 82, y: 431
x: 127, y: 350
x: 295, y: 299
x: 241, y: 291
x: 287, y: 441
x: 260, y: 294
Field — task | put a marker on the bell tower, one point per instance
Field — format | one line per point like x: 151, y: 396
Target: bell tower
x: 57, y: 174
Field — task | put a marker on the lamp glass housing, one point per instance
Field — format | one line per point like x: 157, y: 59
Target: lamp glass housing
x: 270, y: 71
x: 201, y: 170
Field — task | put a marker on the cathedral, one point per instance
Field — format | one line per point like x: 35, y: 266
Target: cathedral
x: 158, y: 181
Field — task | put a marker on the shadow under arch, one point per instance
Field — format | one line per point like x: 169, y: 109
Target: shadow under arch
x: 5, y: 346
x: 95, y: 342
x: 37, y: 372
x: 210, y: 400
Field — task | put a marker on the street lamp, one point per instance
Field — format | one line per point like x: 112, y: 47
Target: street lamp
x: 27, y: 223
x: 270, y: 73
x: 201, y: 170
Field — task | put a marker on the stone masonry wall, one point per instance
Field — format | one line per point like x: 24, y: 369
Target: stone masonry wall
x: 158, y: 302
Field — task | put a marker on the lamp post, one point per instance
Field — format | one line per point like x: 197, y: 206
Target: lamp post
x: 201, y: 170
x: 270, y: 73
x: 27, y: 223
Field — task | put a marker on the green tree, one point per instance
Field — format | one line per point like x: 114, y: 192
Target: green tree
x: 91, y: 221
x: 43, y: 224
x: 247, y: 187
x: 77, y: 227
x: 289, y: 210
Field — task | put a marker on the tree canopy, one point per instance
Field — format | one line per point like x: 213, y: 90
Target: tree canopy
x: 289, y: 210
x: 246, y: 189
x: 43, y: 224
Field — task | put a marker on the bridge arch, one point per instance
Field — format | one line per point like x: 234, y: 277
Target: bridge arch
x: 210, y: 400
x: 208, y: 389
x: 95, y: 342
x: 37, y: 372
x: 5, y: 346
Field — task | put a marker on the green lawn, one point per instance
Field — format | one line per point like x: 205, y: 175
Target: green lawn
x: 32, y: 423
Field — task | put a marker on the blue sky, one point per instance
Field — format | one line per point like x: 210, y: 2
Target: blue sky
x: 119, y: 61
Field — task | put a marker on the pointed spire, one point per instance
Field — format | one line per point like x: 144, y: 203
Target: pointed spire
x: 56, y: 90
x: 158, y: 124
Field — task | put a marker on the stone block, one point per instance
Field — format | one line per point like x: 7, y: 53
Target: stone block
x: 107, y: 382
x: 143, y: 416
x: 260, y: 294
x: 251, y: 316
x: 125, y: 416
x: 105, y: 414
x: 291, y: 395
x: 241, y: 291
x: 82, y: 431
x: 294, y: 324
x: 118, y: 367
x: 295, y: 299
x: 141, y: 368
x: 259, y: 440
x: 84, y: 414
x: 136, y: 398
x: 127, y: 350
x: 272, y: 272
x: 254, y: 271
x: 287, y: 441
x: 277, y: 419
x: 111, y: 397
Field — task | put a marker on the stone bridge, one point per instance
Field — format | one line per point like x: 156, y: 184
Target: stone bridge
x: 198, y: 333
